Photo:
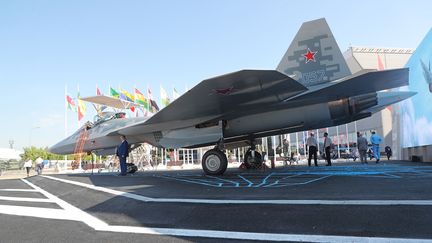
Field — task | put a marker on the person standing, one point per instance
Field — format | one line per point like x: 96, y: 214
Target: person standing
x: 28, y: 165
x: 327, y: 148
x: 123, y: 153
x: 375, y: 141
x: 362, y: 146
x: 313, y: 147
x: 388, y: 152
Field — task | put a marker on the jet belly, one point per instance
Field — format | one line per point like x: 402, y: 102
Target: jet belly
x: 301, y: 118
x: 189, y: 136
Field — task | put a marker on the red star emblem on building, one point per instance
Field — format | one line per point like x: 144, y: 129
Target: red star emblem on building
x: 310, y: 55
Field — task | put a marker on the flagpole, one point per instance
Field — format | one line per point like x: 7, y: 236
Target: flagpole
x: 66, y: 120
x: 79, y: 122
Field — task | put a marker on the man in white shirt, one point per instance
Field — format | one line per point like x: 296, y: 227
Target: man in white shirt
x: 327, y: 148
x: 312, y: 145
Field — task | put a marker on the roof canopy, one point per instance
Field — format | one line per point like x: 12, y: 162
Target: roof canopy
x: 109, y: 101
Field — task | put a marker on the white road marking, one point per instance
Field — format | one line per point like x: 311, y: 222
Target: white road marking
x: 25, y: 199
x: 263, y: 201
x: 71, y: 212
x: 48, y: 213
x: 18, y: 190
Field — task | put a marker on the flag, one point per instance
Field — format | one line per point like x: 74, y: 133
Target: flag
x: 175, y: 94
x: 127, y: 96
x: 380, y: 64
x: 164, y: 97
x: 140, y: 99
x: 150, y: 97
x: 154, y: 106
x: 99, y: 108
x: 114, y: 93
x: 81, y: 108
x: 70, y: 103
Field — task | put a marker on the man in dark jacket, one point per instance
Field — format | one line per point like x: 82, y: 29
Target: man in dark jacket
x: 123, y: 153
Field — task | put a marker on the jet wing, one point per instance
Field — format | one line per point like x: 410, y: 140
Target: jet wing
x: 213, y: 99
x: 354, y: 85
x: 228, y: 93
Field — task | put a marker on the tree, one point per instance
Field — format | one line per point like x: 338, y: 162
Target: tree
x: 33, y: 153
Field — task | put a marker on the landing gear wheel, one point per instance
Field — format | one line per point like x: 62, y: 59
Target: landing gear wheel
x: 254, y: 162
x: 214, y: 162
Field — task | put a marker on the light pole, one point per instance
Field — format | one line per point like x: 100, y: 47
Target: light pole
x: 30, y: 135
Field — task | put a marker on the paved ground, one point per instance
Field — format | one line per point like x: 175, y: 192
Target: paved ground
x: 344, y: 203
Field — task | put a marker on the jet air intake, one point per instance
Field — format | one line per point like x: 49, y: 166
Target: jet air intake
x: 351, y: 107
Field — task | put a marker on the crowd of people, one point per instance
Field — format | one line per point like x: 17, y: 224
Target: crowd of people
x: 362, y: 149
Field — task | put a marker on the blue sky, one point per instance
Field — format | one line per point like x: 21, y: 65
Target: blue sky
x: 47, y: 45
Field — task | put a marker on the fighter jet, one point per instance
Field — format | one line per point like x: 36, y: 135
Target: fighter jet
x: 312, y: 87
x: 427, y: 74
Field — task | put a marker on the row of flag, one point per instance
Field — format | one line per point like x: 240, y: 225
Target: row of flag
x: 137, y: 98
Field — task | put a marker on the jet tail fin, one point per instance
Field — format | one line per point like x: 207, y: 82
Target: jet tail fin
x: 314, y: 56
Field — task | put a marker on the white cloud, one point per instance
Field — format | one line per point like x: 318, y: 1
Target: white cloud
x: 416, y: 132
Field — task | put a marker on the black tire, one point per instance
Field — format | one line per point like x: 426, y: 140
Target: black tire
x: 250, y: 162
x: 214, y: 162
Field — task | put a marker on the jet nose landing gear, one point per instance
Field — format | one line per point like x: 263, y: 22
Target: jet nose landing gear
x: 214, y: 162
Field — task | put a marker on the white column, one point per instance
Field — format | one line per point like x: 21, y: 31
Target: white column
x: 346, y: 130
x: 337, y: 135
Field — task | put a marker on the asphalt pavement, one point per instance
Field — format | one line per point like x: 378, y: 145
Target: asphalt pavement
x: 383, y: 202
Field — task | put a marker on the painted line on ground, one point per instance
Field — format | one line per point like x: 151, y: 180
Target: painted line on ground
x: 71, y: 212
x: 25, y: 199
x: 240, y: 201
x: 38, y: 212
x: 18, y: 190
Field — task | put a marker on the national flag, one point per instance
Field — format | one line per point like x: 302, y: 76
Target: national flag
x: 127, y: 96
x: 140, y: 99
x: 175, y: 94
x: 99, y: 108
x: 114, y: 93
x: 81, y: 108
x: 164, y: 97
x: 380, y: 64
x: 154, y: 106
x: 70, y: 103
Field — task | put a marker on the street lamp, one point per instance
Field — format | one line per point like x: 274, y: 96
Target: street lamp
x: 30, y: 135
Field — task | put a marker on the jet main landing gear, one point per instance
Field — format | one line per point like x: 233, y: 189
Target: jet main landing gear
x: 214, y: 162
x: 252, y: 158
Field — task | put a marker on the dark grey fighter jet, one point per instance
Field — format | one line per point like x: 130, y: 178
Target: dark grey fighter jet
x: 311, y: 88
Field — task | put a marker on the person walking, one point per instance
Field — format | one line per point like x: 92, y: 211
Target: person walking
x: 375, y: 141
x: 123, y: 153
x: 388, y: 152
x: 362, y: 146
x: 39, y: 165
x: 28, y: 165
x: 327, y: 148
x: 313, y: 147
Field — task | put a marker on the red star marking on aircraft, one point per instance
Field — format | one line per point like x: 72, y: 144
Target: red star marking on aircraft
x: 310, y: 55
x: 224, y: 91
